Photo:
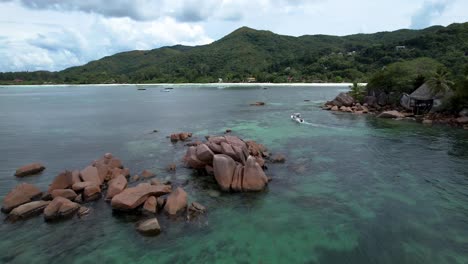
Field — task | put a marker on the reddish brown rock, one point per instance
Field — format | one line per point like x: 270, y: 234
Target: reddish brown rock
x: 147, y: 174
x: 115, y: 163
x: 80, y: 186
x: 91, y: 174
x: 180, y: 136
x: 255, y: 149
x: 91, y: 193
x: 76, y: 177
x: 223, y: 167
x: 155, y: 182
x: 116, y: 186
x: 254, y: 178
x: 131, y: 198
x: 150, y: 205
x: 149, y: 227
x: 228, y: 150
x: 29, y: 169
x: 28, y: 210
x: 60, y: 208
x: 235, y: 141
x: 63, y: 181
x: 21, y: 194
x: 103, y: 171
x: 236, y: 184
x: 204, y: 154
x: 215, y: 148
x: 176, y: 202
x: 65, y: 193
x: 191, y: 159
x: 171, y: 167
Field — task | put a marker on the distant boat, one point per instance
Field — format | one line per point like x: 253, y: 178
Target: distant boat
x: 167, y: 90
x: 140, y: 88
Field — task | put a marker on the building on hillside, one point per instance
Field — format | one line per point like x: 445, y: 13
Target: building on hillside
x: 251, y: 79
x: 423, y: 100
x: 400, y: 48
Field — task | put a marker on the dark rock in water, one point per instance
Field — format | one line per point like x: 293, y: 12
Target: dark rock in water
x: 150, y: 205
x: 176, y: 202
x: 155, y: 131
x: 21, y: 194
x: 30, y: 169
x: 161, y: 202
x: 147, y: 174
x: 171, y: 167
x: 83, y: 211
x: 149, y: 227
x: 228, y: 131
x: 306, y: 100
x: 131, y: 198
x: 345, y: 99
x: 258, y: 104
x: 63, y: 181
x: 65, y: 193
x: 278, y: 158
x: 195, y: 209
x: 223, y: 167
x: 28, y: 210
x: 463, y: 112
x: 254, y: 178
x: 60, y: 208
x: 116, y: 186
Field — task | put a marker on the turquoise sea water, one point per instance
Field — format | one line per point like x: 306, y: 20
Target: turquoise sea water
x: 354, y: 189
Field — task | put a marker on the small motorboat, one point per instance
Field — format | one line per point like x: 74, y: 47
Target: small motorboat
x: 297, y: 117
x: 166, y: 90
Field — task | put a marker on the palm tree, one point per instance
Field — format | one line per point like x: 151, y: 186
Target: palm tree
x: 439, y: 82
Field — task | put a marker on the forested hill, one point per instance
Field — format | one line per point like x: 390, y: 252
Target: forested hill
x: 268, y: 57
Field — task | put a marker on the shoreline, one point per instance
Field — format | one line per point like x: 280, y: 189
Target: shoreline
x: 194, y: 84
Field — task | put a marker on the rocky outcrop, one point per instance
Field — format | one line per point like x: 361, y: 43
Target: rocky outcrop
x: 149, y: 227
x: 131, y: 198
x: 21, y: 194
x: 150, y: 205
x: 60, y: 208
x: 116, y: 186
x: 28, y: 210
x: 344, y: 99
x: 91, y: 193
x: 180, y: 136
x: 65, y: 193
x: 29, y: 169
x: 391, y: 114
x: 63, y: 181
x: 80, y: 186
x: 254, y: 179
x: 224, y: 167
x: 225, y: 158
x: 145, y: 174
x: 91, y: 174
x: 176, y: 202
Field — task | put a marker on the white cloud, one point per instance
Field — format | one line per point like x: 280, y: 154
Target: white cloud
x: 55, y: 34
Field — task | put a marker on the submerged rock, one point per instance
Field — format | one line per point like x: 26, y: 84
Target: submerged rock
x: 149, y: 227
x: 176, y: 202
x: 21, y: 194
x: 29, y: 169
x: 147, y: 174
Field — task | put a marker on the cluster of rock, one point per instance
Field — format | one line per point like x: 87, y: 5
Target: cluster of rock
x: 237, y: 165
x: 344, y: 102
x: 69, y: 190
x: 180, y: 136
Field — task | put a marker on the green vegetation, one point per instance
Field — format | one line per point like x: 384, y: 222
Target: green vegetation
x: 358, y: 91
x: 269, y: 57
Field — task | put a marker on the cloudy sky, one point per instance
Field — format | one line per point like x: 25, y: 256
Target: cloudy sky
x: 56, y: 34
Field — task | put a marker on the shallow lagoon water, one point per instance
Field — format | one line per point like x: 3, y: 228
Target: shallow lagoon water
x: 354, y: 189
